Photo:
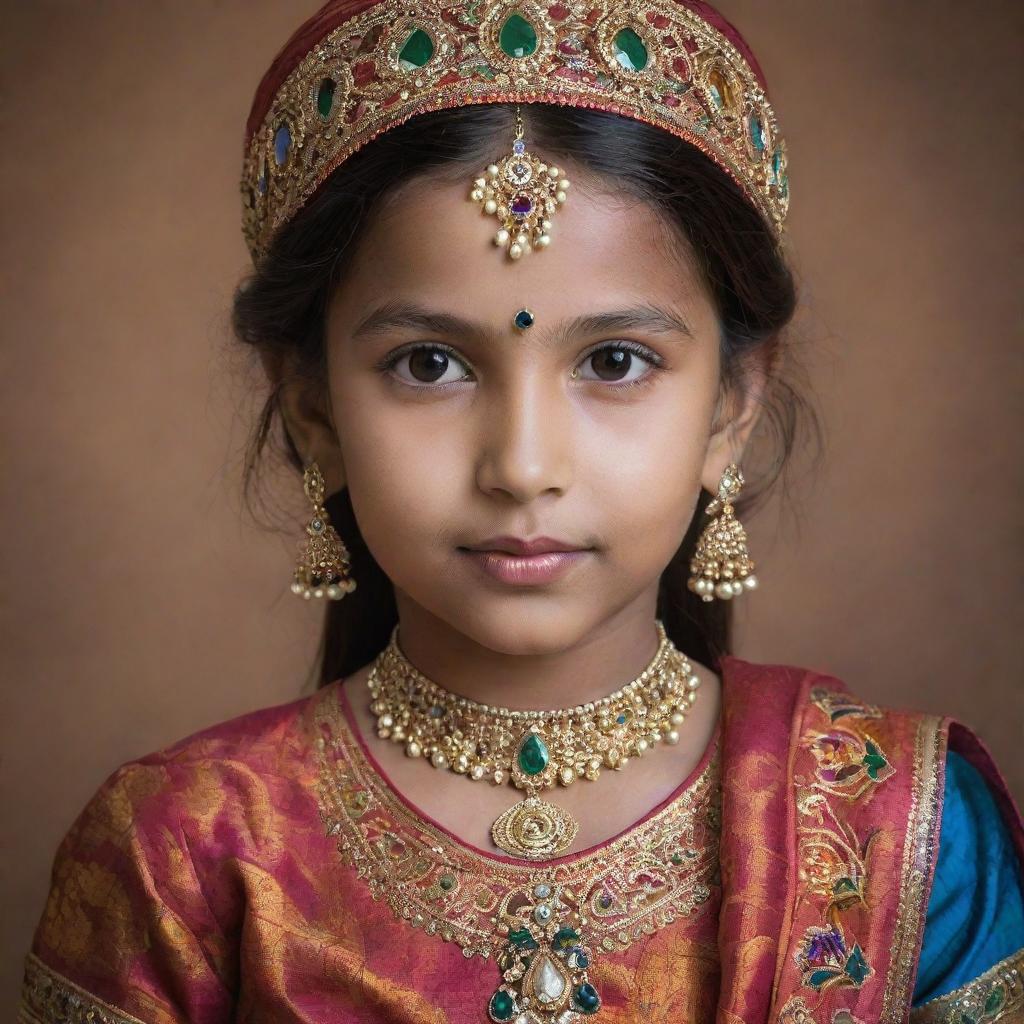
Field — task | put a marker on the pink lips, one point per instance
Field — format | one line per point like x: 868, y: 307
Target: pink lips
x: 526, y: 562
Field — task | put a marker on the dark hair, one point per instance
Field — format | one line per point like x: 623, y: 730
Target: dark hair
x: 280, y: 309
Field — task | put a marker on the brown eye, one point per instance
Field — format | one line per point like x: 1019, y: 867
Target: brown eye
x: 611, y: 363
x: 619, y: 364
x: 427, y: 364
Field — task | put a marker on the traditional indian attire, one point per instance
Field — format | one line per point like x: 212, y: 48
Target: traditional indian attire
x: 266, y: 870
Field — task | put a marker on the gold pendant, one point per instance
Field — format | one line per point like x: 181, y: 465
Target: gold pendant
x: 534, y: 829
x: 523, y: 192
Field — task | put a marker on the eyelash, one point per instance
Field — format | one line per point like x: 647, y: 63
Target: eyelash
x: 387, y: 364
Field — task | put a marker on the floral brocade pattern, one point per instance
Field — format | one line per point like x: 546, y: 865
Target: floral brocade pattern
x: 626, y: 890
x: 655, y: 61
x: 866, y: 785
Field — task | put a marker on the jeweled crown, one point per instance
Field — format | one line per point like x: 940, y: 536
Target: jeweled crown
x: 657, y: 61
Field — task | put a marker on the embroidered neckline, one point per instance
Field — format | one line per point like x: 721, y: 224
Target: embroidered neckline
x: 656, y: 870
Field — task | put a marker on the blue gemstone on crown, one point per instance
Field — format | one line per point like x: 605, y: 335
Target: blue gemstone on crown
x: 519, y: 147
x: 756, y: 133
x: 524, y: 319
x: 282, y: 143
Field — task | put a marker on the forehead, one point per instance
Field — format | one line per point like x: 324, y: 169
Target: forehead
x: 428, y: 241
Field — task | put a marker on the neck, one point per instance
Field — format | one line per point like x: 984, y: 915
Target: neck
x: 569, y: 668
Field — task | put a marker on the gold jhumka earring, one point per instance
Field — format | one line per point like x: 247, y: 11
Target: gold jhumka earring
x: 721, y: 566
x: 523, y: 192
x: 323, y: 567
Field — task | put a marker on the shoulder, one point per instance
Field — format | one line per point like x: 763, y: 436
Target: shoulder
x: 149, y: 883
x: 975, y: 918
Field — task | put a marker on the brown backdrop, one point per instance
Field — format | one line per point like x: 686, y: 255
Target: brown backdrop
x: 139, y: 605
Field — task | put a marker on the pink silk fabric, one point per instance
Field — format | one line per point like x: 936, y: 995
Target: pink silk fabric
x: 200, y: 883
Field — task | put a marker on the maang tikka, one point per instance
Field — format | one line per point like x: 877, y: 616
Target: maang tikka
x: 523, y: 192
x: 323, y: 566
x: 721, y: 566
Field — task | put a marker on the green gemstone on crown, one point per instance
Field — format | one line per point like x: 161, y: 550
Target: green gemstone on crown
x: 517, y: 37
x: 629, y: 50
x: 325, y: 97
x: 533, y: 754
x: 416, y: 51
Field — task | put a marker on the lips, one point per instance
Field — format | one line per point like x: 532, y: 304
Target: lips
x: 525, y: 548
x: 521, y: 561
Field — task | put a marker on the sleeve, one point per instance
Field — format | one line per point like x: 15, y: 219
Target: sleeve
x: 126, y: 934
x: 973, y: 946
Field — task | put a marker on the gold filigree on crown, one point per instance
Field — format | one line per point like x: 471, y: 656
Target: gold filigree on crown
x: 655, y: 61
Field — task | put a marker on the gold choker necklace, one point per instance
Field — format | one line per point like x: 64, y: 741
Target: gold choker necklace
x: 531, y: 749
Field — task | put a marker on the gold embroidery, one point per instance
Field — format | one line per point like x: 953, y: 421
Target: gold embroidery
x: 996, y: 995
x: 354, y: 84
x: 919, y: 852
x: 796, y: 1011
x: 848, y: 763
x: 659, y: 870
x: 49, y: 998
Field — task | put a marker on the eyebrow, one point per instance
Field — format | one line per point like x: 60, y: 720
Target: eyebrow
x: 410, y: 316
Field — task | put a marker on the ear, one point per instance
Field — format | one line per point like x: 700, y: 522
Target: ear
x: 736, y: 415
x: 305, y: 409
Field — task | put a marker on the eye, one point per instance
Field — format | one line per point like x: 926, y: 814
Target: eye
x: 425, y: 366
x: 620, y: 362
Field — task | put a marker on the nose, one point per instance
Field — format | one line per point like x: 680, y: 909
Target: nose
x: 526, y: 439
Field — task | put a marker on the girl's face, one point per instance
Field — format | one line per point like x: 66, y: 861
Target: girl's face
x: 451, y: 427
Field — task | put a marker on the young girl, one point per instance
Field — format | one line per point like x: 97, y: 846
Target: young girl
x: 520, y: 295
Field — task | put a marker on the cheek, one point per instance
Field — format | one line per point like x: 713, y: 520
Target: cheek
x: 647, y: 471
x: 401, y: 474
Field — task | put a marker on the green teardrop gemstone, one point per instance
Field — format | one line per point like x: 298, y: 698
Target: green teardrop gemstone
x: 325, y: 97
x: 629, y: 50
x: 533, y: 754
x: 517, y: 37
x: 416, y: 51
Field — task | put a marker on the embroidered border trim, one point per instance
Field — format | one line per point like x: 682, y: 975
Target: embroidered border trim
x: 796, y: 1011
x: 657, y: 872
x: 992, y: 996
x: 354, y: 85
x: 919, y: 852
x: 848, y: 762
x: 47, y: 997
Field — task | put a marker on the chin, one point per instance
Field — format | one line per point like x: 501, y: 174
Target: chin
x: 548, y: 627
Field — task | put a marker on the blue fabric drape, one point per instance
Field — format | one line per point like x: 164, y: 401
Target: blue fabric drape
x: 976, y: 910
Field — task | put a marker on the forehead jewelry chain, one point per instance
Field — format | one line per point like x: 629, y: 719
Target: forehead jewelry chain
x: 532, y: 750
x: 523, y: 192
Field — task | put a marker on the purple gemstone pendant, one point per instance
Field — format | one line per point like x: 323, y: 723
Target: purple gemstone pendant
x: 521, y: 206
x: 523, y: 192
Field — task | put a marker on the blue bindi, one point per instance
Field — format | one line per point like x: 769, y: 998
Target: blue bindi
x: 523, y: 319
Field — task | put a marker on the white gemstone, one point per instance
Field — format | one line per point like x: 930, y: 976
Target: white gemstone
x: 548, y: 982
x: 542, y: 891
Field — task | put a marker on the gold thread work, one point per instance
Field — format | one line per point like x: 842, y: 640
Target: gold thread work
x: 654, y: 61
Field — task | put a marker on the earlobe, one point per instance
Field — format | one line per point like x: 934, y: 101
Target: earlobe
x: 311, y: 429
x: 737, y: 416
